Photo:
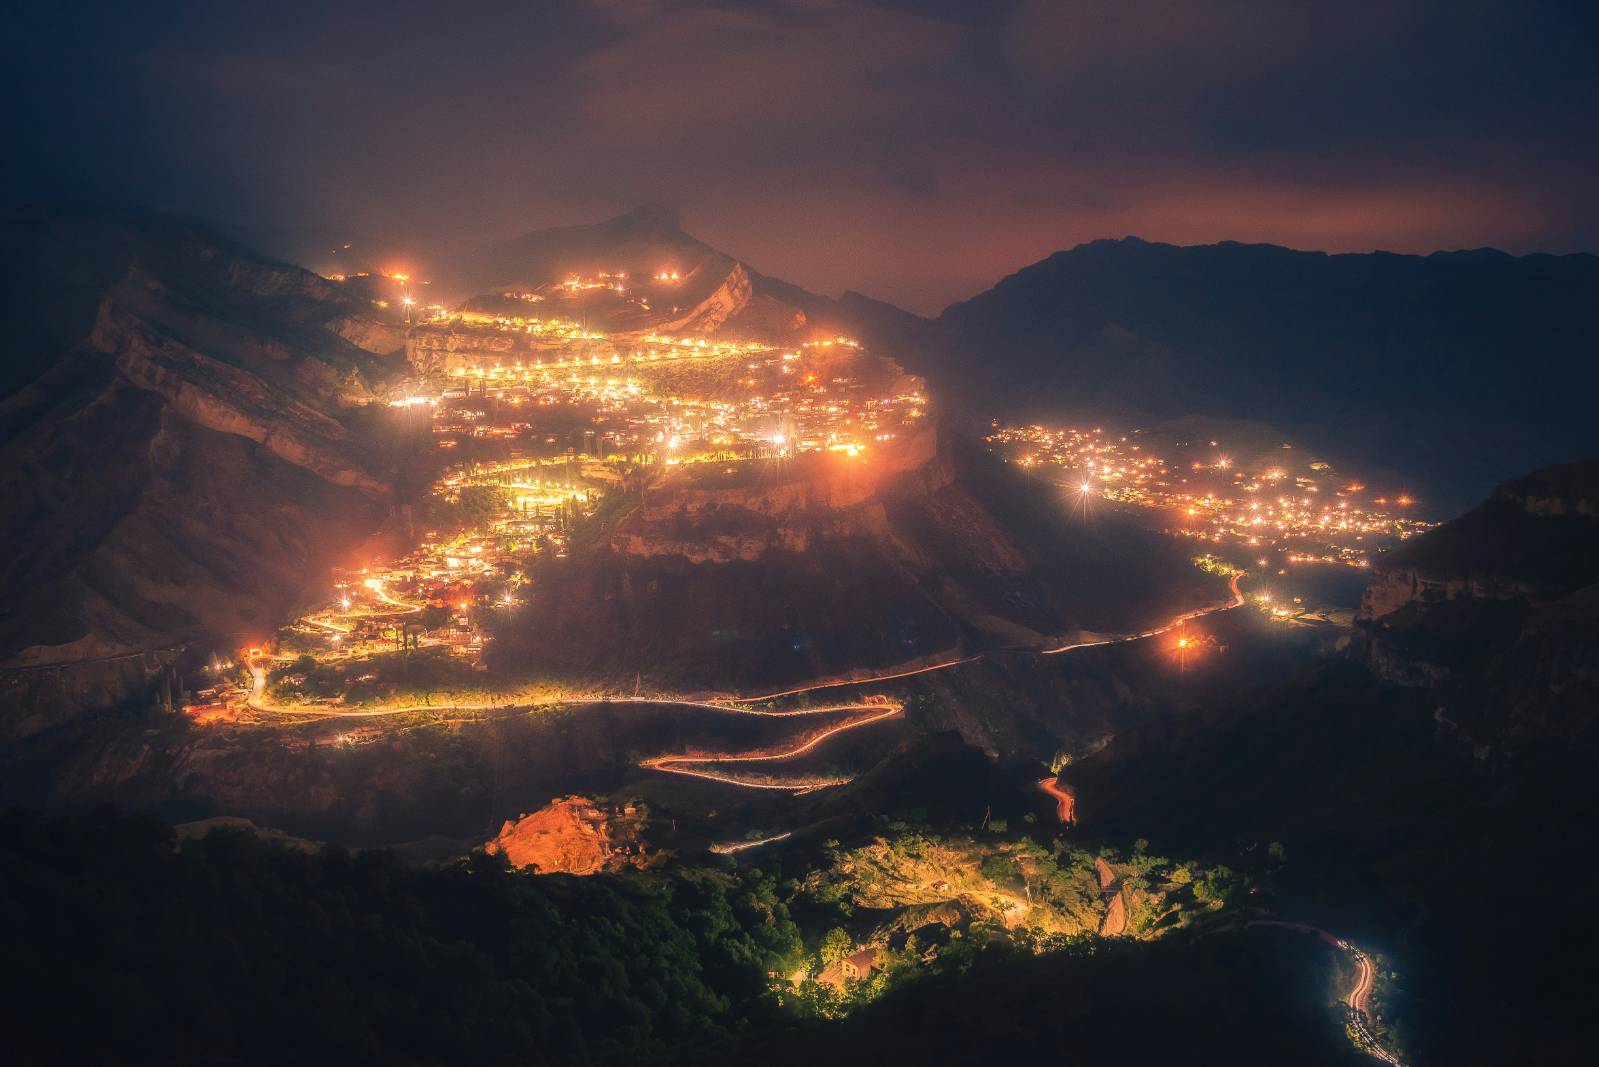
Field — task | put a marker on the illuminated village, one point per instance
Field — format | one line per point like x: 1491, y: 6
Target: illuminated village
x: 1257, y: 512
x: 536, y: 423
x: 628, y: 533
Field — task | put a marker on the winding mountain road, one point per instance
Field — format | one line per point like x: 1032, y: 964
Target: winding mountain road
x: 1065, y: 804
x: 696, y: 766
x: 678, y: 764
x: 944, y: 665
x: 1065, y: 800
x: 1357, y: 1002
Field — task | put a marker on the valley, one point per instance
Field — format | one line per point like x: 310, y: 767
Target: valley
x: 698, y: 534
x: 667, y: 572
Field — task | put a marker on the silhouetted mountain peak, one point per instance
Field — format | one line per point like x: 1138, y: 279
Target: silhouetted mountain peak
x: 648, y: 217
x: 1457, y: 368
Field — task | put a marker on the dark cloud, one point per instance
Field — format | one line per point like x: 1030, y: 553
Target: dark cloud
x: 916, y: 151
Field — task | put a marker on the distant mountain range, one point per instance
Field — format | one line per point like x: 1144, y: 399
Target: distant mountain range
x: 1457, y: 369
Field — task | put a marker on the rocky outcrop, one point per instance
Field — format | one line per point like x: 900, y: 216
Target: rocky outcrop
x: 230, y: 400
x: 725, y: 301
x: 1395, y: 588
x: 1496, y: 611
x: 50, y: 692
x: 571, y: 835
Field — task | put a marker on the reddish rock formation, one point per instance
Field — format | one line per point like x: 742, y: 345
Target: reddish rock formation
x: 571, y: 835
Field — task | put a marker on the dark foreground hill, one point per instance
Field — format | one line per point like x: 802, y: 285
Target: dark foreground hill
x: 232, y: 949
x: 1433, y: 789
x: 1458, y: 369
x: 182, y: 445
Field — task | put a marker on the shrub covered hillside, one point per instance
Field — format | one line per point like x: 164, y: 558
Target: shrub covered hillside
x: 231, y: 949
x: 127, y: 943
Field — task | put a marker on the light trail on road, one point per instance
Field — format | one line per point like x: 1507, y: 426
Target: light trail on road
x: 689, y: 765
x: 727, y: 848
x: 1236, y: 602
x: 1065, y: 802
x: 1357, y: 1003
x: 675, y: 764
x: 259, y: 702
x: 382, y: 593
x: 835, y: 683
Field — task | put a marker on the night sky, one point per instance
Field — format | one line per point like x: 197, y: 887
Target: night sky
x: 916, y: 152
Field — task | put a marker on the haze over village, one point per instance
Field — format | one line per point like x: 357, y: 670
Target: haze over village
x: 626, y: 532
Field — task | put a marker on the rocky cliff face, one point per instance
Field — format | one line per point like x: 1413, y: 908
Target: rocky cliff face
x: 1533, y: 540
x: 183, y: 446
x: 571, y: 835
x: 1497, y: 609
x: 722, y: 303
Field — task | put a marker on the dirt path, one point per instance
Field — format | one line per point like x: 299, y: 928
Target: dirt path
x: 1110, y: 888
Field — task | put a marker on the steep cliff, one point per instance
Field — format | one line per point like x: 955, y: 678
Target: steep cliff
x: 1500, y: 608
x: 183, y: 443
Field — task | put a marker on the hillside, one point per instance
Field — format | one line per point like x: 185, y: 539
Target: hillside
x: 655, y: 968
x: 1500, y: 608
x: 183, y: 445
x: 1420, y: 782
x: 820, y: 569
x: 675, y: 282
x: 1458, y: 369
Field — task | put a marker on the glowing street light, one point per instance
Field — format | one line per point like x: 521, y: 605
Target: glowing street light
x: 1183, y: 645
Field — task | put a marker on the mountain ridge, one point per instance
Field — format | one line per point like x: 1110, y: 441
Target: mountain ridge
x: 1460, y: 368
x: 182, y: 435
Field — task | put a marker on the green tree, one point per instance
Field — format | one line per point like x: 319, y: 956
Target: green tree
x: 835, y: 946
x: 998, y: 869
